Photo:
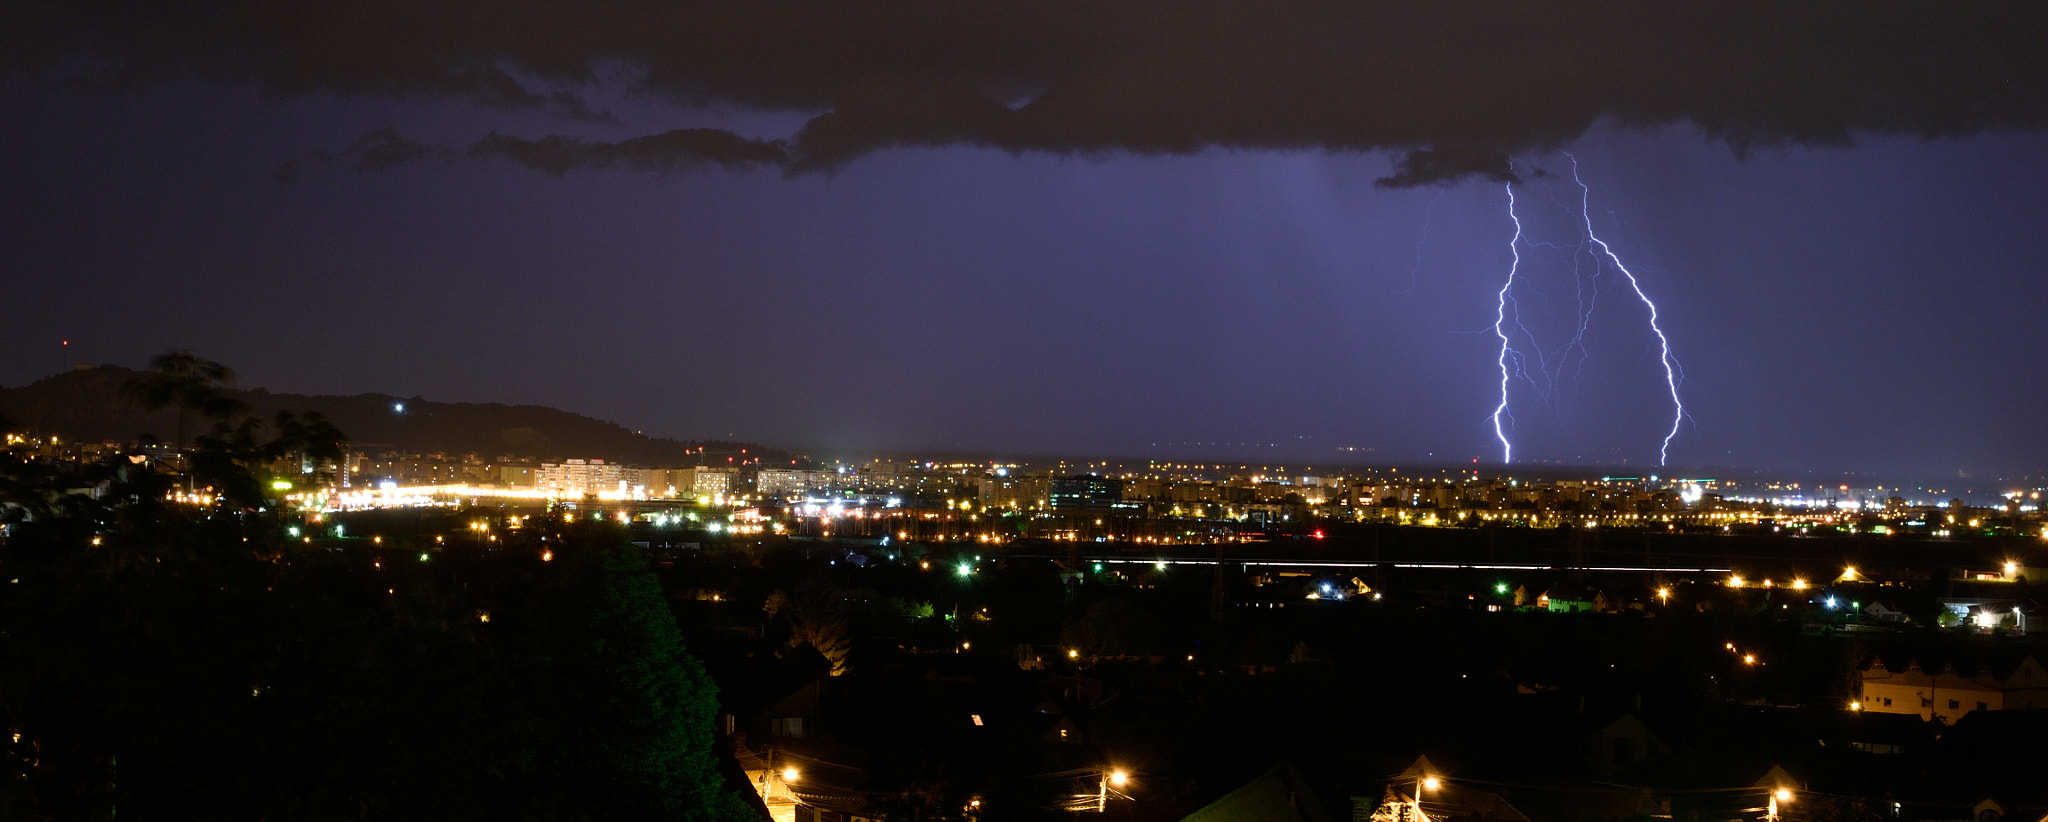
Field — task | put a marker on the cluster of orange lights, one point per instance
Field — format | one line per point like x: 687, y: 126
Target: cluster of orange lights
x: 1797, y: 584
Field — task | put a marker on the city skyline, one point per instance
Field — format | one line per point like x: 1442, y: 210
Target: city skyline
x: 799, y: 247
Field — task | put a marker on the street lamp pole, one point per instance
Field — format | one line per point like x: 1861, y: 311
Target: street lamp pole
x: 1422, y: 783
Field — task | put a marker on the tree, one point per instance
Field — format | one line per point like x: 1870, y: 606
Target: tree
x: 818, y: 618
x: 635, y: 708
x: 184, y: 381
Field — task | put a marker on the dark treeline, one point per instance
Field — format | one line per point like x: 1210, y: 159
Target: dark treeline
x: 94, y: 404
x: 169, y: 660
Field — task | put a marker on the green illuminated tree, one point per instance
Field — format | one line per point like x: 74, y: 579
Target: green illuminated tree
x: 636, y: 708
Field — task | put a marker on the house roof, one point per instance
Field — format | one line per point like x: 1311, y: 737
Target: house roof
x: 1278, y: 795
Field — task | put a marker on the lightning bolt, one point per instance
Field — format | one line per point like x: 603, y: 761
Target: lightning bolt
x: 1428, y: 216
x: 1671, y: 370
x: 1586, y: 290
x: 1500, y: 318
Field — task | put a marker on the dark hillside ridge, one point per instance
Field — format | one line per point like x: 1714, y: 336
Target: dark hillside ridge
x: 86, y: 404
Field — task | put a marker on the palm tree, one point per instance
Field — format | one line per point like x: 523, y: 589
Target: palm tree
x: 184, y: 381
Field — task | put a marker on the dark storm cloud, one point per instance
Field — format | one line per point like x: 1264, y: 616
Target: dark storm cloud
x: 500, y: 90
x: 1431, y: 165
x: 669, y: 151
x: 375, y: 151
x: 1455, y: 86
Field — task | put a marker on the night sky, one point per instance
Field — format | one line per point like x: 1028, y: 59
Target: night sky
x: 1189, y: 230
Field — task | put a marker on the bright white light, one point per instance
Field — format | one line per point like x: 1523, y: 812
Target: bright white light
x: 398, y: 408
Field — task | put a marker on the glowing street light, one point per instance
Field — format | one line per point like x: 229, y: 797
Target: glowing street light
x: 1777, y: 796
x: 1116, y: 777
x: 1426, y: 783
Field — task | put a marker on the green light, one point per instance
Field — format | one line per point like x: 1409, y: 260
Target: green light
x: 1098, y: 567
x: 1500, y: 587
x: 966, y: 569
x: 423, y: 557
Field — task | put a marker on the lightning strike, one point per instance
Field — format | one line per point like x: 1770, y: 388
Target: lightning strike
x: 1500, y: 319
x: 1428, y: 216
x: 1671, y: 370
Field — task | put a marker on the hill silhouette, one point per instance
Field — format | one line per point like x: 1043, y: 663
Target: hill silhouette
x: 87, y: 404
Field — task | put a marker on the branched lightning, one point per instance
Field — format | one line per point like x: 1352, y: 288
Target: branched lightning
x: 1586, y: 290
x: 1428, y: 216
x: 1670, y: 363
x: 1500, y: 319
x: 1507, y: 321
